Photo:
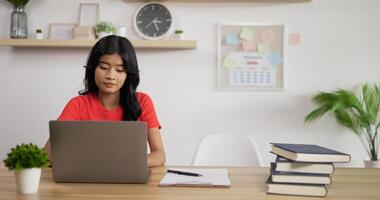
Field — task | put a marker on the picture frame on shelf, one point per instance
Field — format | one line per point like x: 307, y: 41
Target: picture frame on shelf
x: 61, y: 31
x: 251, y: 56
x: 88, y: 14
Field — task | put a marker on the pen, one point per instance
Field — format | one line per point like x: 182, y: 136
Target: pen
x: 183, y: 173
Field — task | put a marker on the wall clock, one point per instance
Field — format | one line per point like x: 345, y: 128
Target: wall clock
x: 153, y: 21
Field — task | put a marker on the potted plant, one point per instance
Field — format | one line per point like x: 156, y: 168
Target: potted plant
x: 39, y: 34
x: 359, y: 112
x: 27, y: 160
x: 104, y: 28
x: 178, y: 34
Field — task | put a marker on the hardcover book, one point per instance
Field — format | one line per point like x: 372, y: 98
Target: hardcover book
x: 285, y: 165
x: 309, y: 153
x: 290, y: 177
x: 319, y: 190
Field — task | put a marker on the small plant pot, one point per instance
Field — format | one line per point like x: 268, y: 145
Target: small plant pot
x: 39, y: 36
x: 372, y: 163
x: 178, y: 36
x: 28, y: 180
x: 103, y: 34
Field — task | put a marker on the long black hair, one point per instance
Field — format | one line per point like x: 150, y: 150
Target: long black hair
x: 122, y: 46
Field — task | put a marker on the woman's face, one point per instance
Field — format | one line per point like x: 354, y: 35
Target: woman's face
x: 110, y: 74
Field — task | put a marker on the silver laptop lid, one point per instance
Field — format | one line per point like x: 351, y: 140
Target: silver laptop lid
x: 99, y: 151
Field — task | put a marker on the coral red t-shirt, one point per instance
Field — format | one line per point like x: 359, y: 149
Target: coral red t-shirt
x: 88, y: 107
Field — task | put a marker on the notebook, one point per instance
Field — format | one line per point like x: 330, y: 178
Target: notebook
x: 216, y: 177
x: 309, y: 153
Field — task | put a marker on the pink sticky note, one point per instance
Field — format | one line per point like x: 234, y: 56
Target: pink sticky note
x: 294, y: 39
x: 248, y: 46
x: 267, y: 36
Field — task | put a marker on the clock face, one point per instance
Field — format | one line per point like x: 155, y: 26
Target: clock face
x: 153, y: 21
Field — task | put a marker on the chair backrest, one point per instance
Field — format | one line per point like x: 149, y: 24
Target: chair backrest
x: 227, y: 150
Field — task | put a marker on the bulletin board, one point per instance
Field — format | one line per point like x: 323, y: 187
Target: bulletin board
x: 251, y: 57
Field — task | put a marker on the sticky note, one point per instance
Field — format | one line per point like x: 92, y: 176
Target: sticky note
x: 247, y: 33
x: 294, y: 39
x: 263, y: 49
x: 248, y: 45
x: 229, y: 63
x: 267, y: 36
x: 231, y: 39
x: 275, y: 59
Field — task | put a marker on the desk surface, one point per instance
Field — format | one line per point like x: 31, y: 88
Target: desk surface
x: 247, y: 183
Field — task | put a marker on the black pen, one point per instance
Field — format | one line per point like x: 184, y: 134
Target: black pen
x: 183, y: 173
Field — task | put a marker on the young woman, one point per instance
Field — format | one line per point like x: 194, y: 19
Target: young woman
x: 111, y: 79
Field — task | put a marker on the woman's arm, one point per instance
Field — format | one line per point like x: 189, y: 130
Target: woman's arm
x: 157, y: 152
x: 47, y: 149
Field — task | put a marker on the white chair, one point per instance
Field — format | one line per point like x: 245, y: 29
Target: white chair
x: 227, y: 150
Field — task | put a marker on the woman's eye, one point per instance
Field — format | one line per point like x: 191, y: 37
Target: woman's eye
x: 120, y: 70
x: 103, y: 67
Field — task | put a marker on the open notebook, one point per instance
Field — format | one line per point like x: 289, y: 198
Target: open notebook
x: 210, y: 178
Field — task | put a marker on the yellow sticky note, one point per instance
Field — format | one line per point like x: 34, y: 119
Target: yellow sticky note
x: 263, y: 49
x: 229, y: 63
x: 247, y: 33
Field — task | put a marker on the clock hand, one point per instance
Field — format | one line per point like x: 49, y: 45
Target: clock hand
x: 151, y: 23
x: 148, y: 25
x: 155, y: 25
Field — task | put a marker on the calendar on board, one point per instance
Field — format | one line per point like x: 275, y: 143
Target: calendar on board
x: 250, y: 57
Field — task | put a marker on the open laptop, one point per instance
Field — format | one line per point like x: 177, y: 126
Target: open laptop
x: 99, y: 151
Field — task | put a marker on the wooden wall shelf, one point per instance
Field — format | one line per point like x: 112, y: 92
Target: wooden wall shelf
x: 138, y: 44
x: 225, y: 1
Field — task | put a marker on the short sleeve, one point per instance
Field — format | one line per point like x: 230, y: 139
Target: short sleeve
x: 148, y: 113
x: 71, y: 111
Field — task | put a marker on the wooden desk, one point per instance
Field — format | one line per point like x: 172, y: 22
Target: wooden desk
x: 247, y: 183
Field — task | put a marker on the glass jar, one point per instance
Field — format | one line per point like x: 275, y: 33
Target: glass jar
x: 19, y: 23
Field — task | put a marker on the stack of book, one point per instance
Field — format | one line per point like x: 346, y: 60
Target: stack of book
x: 302, y: 169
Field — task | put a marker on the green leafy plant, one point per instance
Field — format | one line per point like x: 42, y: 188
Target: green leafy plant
x: 359, y: 112
x: 26, y: 156
x: 38, y: 31
x: 178, y: 31
x: 18, y: 3
x: 105, y: 27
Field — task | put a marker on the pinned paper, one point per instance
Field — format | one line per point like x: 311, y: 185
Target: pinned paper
x: 275, y: 58
x: 247, y: 33
x: 229, y: 63
x: 248, y: 45
x: 294, y: 39
x: 231, y: 39
x: 267, y: 36
x: 263, y: 49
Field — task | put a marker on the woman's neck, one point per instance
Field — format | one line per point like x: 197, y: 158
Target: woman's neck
x: 109, y: 101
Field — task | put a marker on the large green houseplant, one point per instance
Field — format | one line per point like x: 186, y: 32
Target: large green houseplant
x: 27, y: 160
x: 358, y: 111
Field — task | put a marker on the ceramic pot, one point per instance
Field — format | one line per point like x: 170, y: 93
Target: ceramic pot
x: 28, y: 180
x: 103, y: 34
x: 372, y: 163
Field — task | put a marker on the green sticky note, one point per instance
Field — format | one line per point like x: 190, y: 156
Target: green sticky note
x: 247, y: 33
x: 263, y: 49
x: 229, y: 63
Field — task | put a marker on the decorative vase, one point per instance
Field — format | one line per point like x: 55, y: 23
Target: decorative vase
x: 178, y: 36
x: 372, y: 163
x: 28, y: 180
x: 19, y: 23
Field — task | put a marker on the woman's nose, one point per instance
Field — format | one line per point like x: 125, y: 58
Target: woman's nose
x: 110, y: 75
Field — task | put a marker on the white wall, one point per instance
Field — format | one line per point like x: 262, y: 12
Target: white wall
x: 340, y: 48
